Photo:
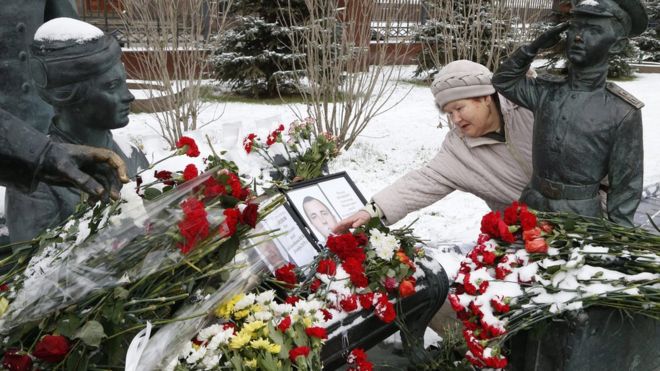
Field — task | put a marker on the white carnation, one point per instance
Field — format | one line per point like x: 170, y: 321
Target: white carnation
x: 385, y: 245
x: 266, y: 297
x: 209, y: 332
x: 245, y: 302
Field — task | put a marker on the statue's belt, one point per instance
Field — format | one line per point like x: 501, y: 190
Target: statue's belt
x: 560, y: 191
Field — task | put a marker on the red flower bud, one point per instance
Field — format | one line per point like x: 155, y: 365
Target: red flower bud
x: 51, y: 348
x: 15, y: 361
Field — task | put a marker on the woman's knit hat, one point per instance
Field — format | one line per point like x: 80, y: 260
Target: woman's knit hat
x: 460, y: 80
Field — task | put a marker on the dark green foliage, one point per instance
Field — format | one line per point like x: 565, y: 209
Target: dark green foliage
x: 619, y: 67
x: 649, y: 41
x: 255, y: 56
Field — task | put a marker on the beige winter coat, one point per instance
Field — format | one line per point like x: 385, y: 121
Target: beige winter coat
x: 493, y: 171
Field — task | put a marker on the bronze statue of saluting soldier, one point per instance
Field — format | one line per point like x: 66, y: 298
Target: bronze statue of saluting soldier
x: 587, y: 131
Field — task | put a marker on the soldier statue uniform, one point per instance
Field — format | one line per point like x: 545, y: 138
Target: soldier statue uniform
x: 586, y: 129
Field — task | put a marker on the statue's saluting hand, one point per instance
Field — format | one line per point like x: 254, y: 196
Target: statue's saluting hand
x: 549, y: 38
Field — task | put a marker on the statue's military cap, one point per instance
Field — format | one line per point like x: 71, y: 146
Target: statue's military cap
x: 630, y: 13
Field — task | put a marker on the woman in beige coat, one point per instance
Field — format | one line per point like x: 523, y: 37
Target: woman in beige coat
x: 488, y: 151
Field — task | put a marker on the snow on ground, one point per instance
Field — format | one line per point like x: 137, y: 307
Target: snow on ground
x: 395, y: 142
x: 400, y: 139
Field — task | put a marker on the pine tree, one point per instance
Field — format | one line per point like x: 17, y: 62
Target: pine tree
x: 255, y: 56
x: 649, y: 41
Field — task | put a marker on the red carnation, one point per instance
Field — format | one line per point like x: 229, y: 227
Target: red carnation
x: 188, y: 145
x: 212, y: 188
x: 327, y: 266
x: 362, y: 239
x: 511, y: 214
x: 504, y: 232
x: 327, y: 316
x: 292, y: 300
x: 384, y: 309
x: 250, y: 215
x: 349, y: 303
x: 358, y: 361
x: 51, y: 348
x: 284, y: 324
x: 228, y: 226
x: 314, y: 286
x: 366, y: 300
x: 15, y: 361
x: 455, y: 303
x: 490, y: 222
x: 249, y: 141
x: 344, y: 245
x: 499, y: 305
x: 190, y: 172
x: 297, y: 352
x: 164, y: 176
x: 287, y: 274
x: 527, y: 219
x: 194, y: 226
x: 236, y: 187
x: 316, y: 332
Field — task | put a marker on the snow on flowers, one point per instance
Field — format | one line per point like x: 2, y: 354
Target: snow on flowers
x: 527, y: 263
x: 259, y: 332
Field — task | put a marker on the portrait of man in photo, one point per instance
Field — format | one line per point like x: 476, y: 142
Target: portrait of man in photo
x: 320, y: 217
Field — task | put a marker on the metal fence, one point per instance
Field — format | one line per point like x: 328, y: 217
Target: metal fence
x: 398, y: 18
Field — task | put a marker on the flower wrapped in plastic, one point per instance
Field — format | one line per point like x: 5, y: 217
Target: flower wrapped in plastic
x: 108, y: 271
x: 529, y: 266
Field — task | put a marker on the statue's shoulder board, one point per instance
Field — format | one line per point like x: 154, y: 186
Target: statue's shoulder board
x: 627, y: 97
x: 550, y: 78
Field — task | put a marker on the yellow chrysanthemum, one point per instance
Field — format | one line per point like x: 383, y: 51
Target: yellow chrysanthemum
x: 274, y: 348
x: 242, y: 314
x: 307, y: 321
x: 4, y: 305
x: 225, y: 309
x: 266, y: 345
x: 256, y: 308
x: 260, y: 343
x: 254, y: 326
x: 252, y: 363
x: 239, y: 341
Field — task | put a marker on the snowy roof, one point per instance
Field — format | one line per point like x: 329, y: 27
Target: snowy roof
x: 64, y: 29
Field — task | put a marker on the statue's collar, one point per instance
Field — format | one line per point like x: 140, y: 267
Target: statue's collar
x: 60, y: 135
x: 587, y: 79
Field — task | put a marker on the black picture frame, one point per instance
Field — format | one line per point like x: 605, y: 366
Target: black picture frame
x: 335, y: 195
x: 293, y: 229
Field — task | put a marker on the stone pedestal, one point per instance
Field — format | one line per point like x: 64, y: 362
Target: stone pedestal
x: 596, y: 339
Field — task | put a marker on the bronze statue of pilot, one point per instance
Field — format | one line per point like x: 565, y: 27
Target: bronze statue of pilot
x: 83, y: 78
x: 587, y: 131
x: 19, y: 20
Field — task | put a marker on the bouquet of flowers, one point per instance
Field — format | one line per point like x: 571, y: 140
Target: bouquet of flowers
x: 528, y: 267
x: 99, y: 278
x: 300, y: 153
x: 259, y: 332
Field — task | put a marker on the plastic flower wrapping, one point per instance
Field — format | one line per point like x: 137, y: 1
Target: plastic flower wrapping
x: 113, y: 269
x: 528, y: 267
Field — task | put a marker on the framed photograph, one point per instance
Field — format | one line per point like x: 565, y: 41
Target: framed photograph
x: 286, y: 242
x: 321, y: 203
